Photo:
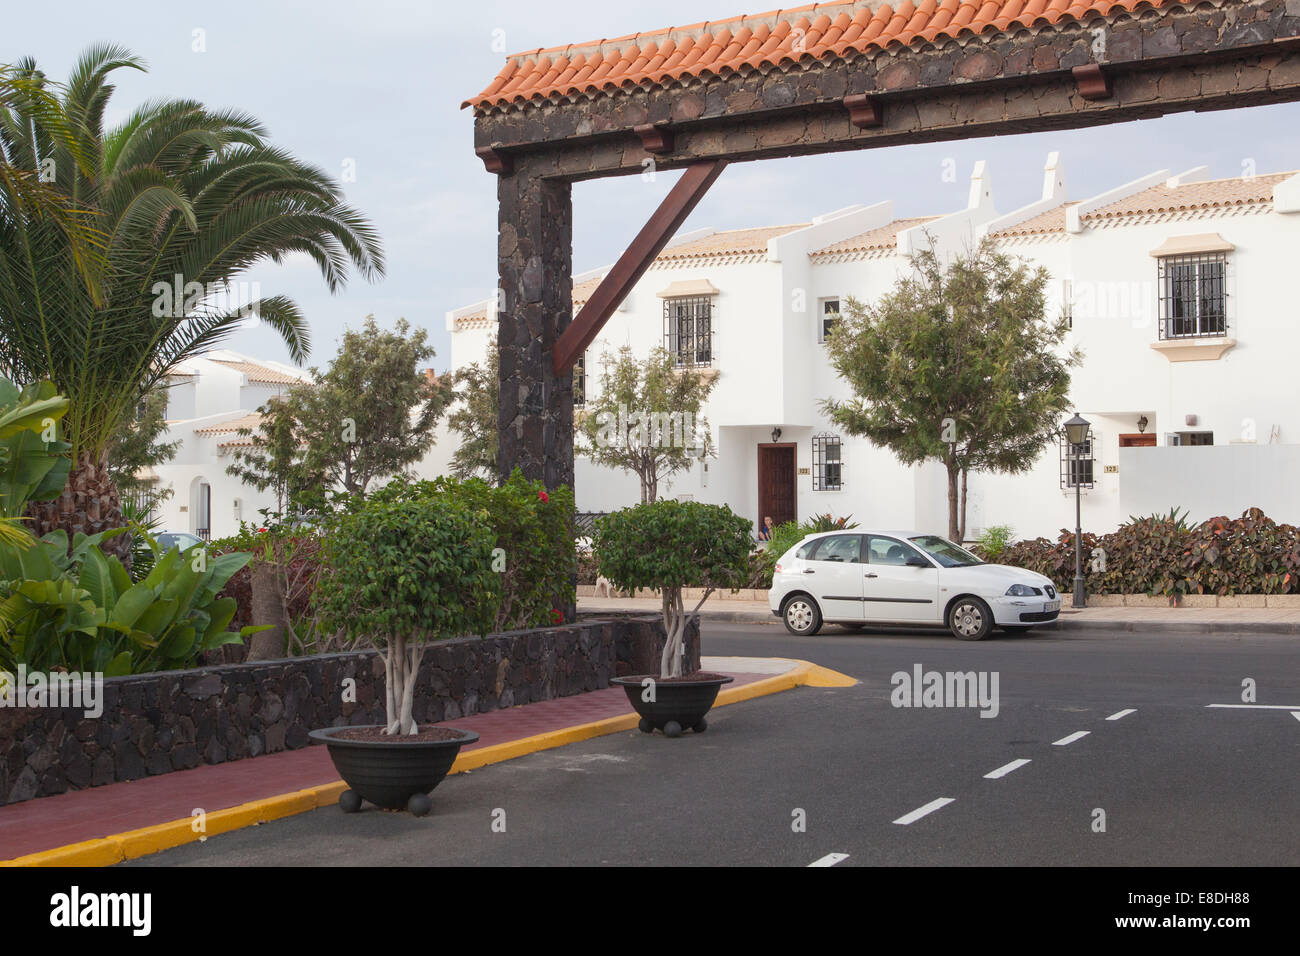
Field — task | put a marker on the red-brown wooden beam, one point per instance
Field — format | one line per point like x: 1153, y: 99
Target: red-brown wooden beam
x: 632, y: 264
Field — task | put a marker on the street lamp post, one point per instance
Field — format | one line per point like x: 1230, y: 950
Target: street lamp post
x: 1076, y: 433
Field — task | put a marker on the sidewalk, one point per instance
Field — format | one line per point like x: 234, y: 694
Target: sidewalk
x: 104, y: 825
x: 1202, y: 620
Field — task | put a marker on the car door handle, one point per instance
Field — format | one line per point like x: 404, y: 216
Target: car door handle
x: 871, y: 574
x: 809, y: 571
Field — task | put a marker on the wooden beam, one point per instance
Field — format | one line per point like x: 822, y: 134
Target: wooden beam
x: 1093, y: 82
x: 632, y: 264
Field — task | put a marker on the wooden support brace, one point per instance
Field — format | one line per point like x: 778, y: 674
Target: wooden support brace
x: 632, y: 264
x: 655, y: 138
x: 865, y: 111
x: 495, y: 160
x: 1092, y: 81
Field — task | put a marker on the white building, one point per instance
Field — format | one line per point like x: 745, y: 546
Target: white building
x: 1178, y: 292
x: 209, y: 400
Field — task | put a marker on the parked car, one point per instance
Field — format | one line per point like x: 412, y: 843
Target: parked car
x: 177, y: 539
x: 908, y: 578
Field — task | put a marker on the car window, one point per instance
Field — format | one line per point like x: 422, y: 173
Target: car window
x: 806, y: 551
x: 945, y: 552
x: 845, y: 548
x: 891, y: 551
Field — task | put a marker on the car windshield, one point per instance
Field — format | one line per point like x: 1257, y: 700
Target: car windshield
x: 944, y: 551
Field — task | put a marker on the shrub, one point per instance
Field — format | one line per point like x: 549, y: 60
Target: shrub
x: 1163, y: 555
x: 993, y: 541
x: 532, y: 527
x: 403, y: 571
x: 669, y: 545
x: 819, y: 523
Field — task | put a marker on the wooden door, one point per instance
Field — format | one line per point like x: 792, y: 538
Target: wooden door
x: 776, y: 487
x: 1137, y: 441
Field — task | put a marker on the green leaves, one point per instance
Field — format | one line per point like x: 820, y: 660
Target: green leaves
x: 957, y: 363
x: 666, y: 545
x: 418, y: 566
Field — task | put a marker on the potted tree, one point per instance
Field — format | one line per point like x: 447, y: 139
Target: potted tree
x: 401, y: 572
x: 667, y: 546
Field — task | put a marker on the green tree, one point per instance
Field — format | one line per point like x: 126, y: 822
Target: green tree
x: 474, y: 417
x: 186, y: 199
x: 371, y: 414
x: 138, y: 443
x: 646, y: 418
x: 276, y: 459
x: 958, y: 363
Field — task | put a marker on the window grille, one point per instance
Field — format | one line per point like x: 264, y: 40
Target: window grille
x: 580, y: 381
x: 1193, y: 295
x: 828, y: 463
x: 688, y: 330
x: 1077, y: 463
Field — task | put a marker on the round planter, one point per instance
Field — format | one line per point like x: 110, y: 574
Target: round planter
x: 392, y: 775
x: 678, y: 705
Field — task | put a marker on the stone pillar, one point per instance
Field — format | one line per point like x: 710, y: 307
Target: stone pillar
x: 535, y: 304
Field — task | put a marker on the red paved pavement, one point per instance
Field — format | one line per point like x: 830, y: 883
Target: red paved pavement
x: 81, y: 815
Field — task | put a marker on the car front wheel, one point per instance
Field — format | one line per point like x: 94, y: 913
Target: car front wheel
x: 802, y: 616
x: 970, y: 619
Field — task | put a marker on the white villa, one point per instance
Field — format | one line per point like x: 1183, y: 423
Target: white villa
x: 209, y: 400
x: 1178, y: 292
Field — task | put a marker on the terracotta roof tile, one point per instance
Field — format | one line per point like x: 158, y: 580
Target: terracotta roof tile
x: 1189, y: 197
x: 261, y: 373
x: 731, y: 242
x: 818, y: 32
x: 1213, y: 193
x: 1053, y: 220
x: 882, y: 237
x: 251, y: 421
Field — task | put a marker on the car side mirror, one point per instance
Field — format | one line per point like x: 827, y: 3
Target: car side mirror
x: 917, y: 562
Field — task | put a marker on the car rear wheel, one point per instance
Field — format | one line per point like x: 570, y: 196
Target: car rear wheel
x: 970, y: 619
x: 802, y: 616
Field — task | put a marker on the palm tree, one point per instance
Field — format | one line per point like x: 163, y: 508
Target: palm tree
x: 180, y: 194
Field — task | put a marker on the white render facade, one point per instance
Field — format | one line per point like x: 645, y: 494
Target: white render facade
x: 208, y: 400
x: 1178, y: 292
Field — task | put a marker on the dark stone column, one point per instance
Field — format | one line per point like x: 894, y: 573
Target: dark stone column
x: 535, y: 265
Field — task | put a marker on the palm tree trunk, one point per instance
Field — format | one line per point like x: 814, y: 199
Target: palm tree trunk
x: 90, y: 503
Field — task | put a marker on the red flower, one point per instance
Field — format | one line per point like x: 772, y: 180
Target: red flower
x: 543, y: 496
x: 557, y: 615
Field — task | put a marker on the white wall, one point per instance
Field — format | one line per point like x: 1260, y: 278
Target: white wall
x: 1212, y: 480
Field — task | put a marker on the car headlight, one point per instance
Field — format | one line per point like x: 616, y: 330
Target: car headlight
x: 1022, y: 590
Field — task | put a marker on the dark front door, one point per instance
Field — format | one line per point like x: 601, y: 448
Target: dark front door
x: 776, y: 491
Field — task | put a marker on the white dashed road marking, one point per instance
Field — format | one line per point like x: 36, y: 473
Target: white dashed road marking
x: 1006, y: 769
x: 830, y: 859
x: 1122, y: 714
x: 1296, y: 714
x: 1257, y: 706
x: 919, y: 812
x: 1071, y: 739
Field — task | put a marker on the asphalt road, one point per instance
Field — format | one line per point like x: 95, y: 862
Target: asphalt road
x: 1179, y: 783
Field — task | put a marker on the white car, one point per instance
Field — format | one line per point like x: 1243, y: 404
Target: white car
x: 905, y: 578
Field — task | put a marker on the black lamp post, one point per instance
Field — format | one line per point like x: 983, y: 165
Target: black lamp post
x: 1076, y: 433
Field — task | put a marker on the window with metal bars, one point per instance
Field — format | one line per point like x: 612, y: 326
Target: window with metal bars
x: 828, y: 463
x: 1193, y: 295
x: 580, y: 381
x: 1077, y: 463
x: 688, y: 330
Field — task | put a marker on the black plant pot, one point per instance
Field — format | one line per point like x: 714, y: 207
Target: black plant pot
x: 392, y: 775
x: 678, y: 705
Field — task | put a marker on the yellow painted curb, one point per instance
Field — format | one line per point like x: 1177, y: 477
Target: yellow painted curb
x: 109, y: 850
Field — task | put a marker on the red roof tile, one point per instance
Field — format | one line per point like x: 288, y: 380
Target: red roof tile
x: 882, y: 237
x: 816, y: 32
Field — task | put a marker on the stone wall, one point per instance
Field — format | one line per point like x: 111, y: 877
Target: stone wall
x: 156, y: 723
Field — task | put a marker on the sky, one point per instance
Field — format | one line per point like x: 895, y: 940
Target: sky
x: 371, y: 92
